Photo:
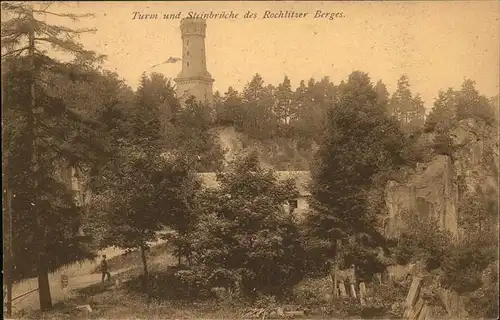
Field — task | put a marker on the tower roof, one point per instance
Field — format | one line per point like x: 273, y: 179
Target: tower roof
x: 192, y: 26
x: 193, y: 21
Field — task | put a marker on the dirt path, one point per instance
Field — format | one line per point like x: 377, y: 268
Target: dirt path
x: 30, y: 301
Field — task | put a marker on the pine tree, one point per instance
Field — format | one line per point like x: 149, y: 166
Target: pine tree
x: 417, y: 113
x: 443, y: 113
x: 471, y: 104
x: 409, y: 110
x: 258, y: 102
x: 231, y: 111
x: 284, y: 108
x: 361, y: 142
x: 400, y: 103
x: 382, y: 93
x: 43, y: 135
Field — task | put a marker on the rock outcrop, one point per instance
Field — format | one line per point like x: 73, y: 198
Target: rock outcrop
x: 280, y: 154
x: 435, y: 188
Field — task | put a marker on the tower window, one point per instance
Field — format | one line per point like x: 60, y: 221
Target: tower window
x: 188, y: 53
x: 187, y: 64
x: 187, y: 42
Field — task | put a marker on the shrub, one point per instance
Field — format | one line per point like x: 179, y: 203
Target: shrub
x: 386, y: 299
x: 313, y: 292
x: 244, y: 231
x: 343, y: 308
x: 483, y: 303
x: 463, y: 267
x: 443, y: 144
x: 422, y: 240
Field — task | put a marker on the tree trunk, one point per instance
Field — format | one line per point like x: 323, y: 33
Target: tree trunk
x: 333, y: 274
x: 8, y: 260
x: 43, y: 285
x: 334, y: 268
x: 146, y: 272
x: 42, y: 269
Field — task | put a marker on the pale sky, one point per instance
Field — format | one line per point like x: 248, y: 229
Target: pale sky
x: 437, y: 44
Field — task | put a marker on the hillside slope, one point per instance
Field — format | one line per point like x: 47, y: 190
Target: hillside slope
x: 280, y: 154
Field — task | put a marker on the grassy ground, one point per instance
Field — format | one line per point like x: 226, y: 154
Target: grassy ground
x: 111, y: 302
x: 126, y: 301
x: 84, y: 274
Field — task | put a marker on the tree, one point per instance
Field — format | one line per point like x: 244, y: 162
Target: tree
x: 360, y: 143
x: 409, y: 110
x: 244, y: 231
x: 148, y: 129
x: 48, y: 135
x: 194, y: 138
x: 312, y: 102
x: 400, y: 103
x: 258, y: 102
x: 231, y: 111
x: 470, y: 104
x: 149, y: 193
x: 443, y: 114
x: 284, y: 108
x: 382, y: 93
x: 417, y: 113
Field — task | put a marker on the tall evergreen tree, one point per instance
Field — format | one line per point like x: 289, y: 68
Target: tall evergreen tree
x: 471, y: 104
x: 43, y: 136
x: 360, y: 143
x: 148, y: 128
x: 258, y: 102
x: 284, y: 108
x: 408, y: 110
x: 443, y: 113
x: 382, y: 93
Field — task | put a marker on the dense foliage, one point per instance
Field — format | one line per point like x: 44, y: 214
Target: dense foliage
x: 137, y: 154
x: 43, y: 134
x: 360, y: 142
x: 245, y: 234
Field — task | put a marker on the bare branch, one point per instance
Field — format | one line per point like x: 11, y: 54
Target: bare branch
x: 18, y: 51
x: 72, y: 16
x: 55, y: 30
x: 48, y: 6
x: 20, y: 9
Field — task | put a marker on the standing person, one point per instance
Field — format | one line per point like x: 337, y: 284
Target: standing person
x: 104, y: 269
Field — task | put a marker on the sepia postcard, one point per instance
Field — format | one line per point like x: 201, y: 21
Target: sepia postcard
x: 250, y: 159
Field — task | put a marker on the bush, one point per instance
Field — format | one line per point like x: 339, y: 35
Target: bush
x: 343, y: 308
x: 313, y: 292
x: 484, y: 302
x: 463, y: 267
x: 443, y: 144
x: 243, y: 230
x: 422, y: 240
x: 180, y: 283
x: 386, y: 299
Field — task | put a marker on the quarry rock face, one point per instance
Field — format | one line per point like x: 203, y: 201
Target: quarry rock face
x: 431, y: 192
x: 435, y: 188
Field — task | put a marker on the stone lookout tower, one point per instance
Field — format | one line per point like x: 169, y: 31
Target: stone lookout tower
x: 194, y: 78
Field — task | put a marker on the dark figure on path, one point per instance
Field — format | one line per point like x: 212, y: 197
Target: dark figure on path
x: 104, y: 269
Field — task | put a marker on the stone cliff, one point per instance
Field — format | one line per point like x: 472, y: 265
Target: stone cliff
x: 280, y: 154
x: 434, y: 189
